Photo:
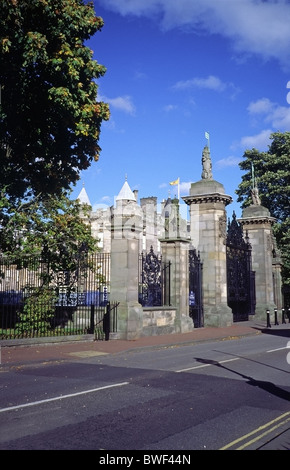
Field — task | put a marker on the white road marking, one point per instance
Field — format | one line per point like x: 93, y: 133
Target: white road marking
x: 61, y: 397
x: 207, y: 365
x: 278, y: 349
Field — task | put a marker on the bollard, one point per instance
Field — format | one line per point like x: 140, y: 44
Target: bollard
x: 92, y: 319
x: 276, y: 317
x: 268, y: 319
x: 283, y: 316
x: 107, y: 323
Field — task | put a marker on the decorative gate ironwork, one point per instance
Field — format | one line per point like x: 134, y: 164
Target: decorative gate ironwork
x: 240, y: 277
x: 154, y: 284
x: 195, y: 288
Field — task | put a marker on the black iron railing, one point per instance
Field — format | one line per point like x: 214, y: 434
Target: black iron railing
x: 195, y: 288
x: 68, y: 303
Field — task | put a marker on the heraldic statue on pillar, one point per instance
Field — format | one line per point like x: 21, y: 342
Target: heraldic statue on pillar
x: 206, y: 164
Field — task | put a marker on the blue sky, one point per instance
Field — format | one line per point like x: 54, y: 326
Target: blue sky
x: 178, y: 69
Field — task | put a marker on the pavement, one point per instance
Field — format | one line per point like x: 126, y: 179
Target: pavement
x: 28, y: 351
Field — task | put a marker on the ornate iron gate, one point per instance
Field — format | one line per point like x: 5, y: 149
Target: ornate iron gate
x: 240, y: 277
x: 195, y: 288
x: 154, y: 280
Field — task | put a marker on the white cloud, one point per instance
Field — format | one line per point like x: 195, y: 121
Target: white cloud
x: 139, y: 75
x: 106, y: 199
x: 184, y: 187
x: 269, y: 113
x: 226, y: 162
x: 278, y: 116
x: 254, y: 26
x: 132, y: 7
x: 211, y: 83
x: 261, y: 106
x: 259, y: 141
x: 170, y: 107
x: 104, y: 204
x: 122, y: 103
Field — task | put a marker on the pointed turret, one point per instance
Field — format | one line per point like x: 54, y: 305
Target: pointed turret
x: 126, y: 193
x: 83, y: 197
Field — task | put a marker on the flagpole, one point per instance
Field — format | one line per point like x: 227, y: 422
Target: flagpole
x: 253, y: 175
x: 176, y: 182
x: 207, y: 138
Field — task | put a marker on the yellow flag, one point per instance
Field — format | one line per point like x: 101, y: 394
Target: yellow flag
x: 174, y: 182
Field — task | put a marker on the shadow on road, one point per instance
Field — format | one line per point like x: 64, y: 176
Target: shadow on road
x: 267, y: 386
x: 272, y: 331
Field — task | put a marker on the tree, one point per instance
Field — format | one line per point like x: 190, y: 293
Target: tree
x: 49, y: 238
x: 50, y: 118
x: 51, y: 228
x: 38, y: 311
x: 272, y: 177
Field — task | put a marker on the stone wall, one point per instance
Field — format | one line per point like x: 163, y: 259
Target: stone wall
x: 159, y: 321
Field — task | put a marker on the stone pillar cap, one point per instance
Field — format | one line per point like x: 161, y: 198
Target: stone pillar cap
x: 255, y: 211
x: 256, y: 214
x: 206, y: 186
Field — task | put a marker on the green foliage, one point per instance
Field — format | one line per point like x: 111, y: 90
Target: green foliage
x: 50, y: 123
x: 282, y: 234
x: 51, y: 228
x: 272, y: 176
x: 50, y: 118
x: 99, y: 333
x: 37, y: 313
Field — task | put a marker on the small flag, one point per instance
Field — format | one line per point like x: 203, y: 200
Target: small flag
x: 174, y: 182
x: 206, y: 135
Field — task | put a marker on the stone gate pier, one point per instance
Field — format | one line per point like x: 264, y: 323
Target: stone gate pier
x: 266, y: 262
x: 126, y: 228
x: 208, y: 221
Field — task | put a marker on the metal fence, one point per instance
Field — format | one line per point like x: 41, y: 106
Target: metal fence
x: 154, y: 280
x: 72, y: 302
x: 195, y: 288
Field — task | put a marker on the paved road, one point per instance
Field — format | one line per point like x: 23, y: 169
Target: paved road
x: 228, y: 394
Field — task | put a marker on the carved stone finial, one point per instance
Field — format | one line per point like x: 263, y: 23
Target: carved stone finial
x: 254, y: 191
x: 206, y: 164
x: 255, y: 196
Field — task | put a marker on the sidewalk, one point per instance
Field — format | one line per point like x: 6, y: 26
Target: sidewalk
x: 21, y: 352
